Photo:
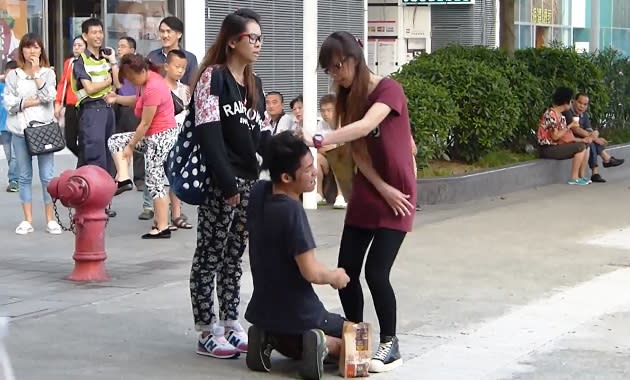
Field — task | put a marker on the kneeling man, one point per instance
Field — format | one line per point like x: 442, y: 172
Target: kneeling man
x: 286, y: 314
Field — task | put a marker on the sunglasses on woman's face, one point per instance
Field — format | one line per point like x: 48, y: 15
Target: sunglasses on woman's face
x: 253, y: 37
x: 335, y: 68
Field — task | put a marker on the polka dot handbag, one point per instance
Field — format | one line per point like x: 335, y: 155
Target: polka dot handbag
x: 185, y: 166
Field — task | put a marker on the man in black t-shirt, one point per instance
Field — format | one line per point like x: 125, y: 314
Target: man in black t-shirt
x: 285, y: 312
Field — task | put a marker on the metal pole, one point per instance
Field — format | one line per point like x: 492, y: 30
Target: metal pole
x: 310, y: 84
x: 595, y: 29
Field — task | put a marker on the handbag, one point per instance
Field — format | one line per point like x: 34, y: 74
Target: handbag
x: 42, y: 138
x: 185, y: 165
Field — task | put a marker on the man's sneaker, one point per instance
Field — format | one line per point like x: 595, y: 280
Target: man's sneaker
x: 578, y: 182
x: 314, y: 352
x: 387, y: 356
x: 340, y: 203
x: 613, y: 162
x: 237, y: 337
x: 320, y: 200
x: 597, y: 178
x: 216, y: 346
x: 146, y: 214
x: 13, y: 187
x: 259, y: 351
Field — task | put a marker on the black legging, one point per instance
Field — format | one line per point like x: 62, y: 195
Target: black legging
x: 380, y: 259
x: 71, y: 129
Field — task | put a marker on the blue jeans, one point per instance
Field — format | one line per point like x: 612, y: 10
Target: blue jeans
x: 595, y: 151
x: 147, y: 200
x: 5, y: 139
x: 46, y: 164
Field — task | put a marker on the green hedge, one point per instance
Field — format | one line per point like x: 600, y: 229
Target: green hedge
x: 467, y: 101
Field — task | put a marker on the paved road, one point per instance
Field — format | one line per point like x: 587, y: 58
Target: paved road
x: 532, y: 285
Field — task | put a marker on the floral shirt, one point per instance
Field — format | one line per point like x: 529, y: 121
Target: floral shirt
x: 549, y: 121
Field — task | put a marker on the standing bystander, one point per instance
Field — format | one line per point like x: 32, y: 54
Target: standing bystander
x: 95, y: 74
x: 5, y: 136
x: 67, y: 100
x: 171, y: 33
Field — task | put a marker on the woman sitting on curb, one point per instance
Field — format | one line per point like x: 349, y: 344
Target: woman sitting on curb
x: 557, y: 141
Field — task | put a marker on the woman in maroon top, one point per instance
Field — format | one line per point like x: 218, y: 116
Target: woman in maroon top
x: 373, y: 113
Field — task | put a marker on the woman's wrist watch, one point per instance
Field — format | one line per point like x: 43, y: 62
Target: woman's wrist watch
x: 318, y: 141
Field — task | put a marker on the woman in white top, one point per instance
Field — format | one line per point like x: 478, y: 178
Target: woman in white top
x: 29, y: 95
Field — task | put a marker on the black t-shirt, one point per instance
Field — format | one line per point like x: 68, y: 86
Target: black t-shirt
x: 282, y: 301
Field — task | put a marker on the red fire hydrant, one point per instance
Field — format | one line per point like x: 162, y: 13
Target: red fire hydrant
x: 88, y: 190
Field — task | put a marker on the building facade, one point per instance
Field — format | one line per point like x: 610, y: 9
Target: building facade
x: 280, y: 65
x: 541, y: 22
x: 400, y: 29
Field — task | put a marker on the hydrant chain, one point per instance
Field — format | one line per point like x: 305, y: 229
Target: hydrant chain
x: 70, y: 215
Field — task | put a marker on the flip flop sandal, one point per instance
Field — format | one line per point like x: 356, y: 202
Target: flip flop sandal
x: 180, y: 222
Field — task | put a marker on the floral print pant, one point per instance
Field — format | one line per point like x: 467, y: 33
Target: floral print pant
x: 155, y: 148
x: 221, y: 240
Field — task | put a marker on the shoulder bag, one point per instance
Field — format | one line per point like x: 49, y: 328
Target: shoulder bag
x: 42, y: 138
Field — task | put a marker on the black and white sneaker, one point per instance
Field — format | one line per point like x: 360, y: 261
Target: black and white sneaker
x: 314, y: 351
x: 387, y: 356
x: 259, y: 350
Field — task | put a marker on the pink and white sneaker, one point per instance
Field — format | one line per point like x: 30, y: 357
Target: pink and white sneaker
x: 216, y: 346
x: 237, y: 336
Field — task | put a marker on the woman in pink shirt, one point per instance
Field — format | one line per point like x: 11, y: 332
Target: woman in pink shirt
x: 154, y: 136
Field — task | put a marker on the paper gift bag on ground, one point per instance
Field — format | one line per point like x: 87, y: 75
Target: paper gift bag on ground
x: 354, y: 360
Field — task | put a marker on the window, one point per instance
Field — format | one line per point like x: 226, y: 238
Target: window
x: 18, y: 17
x: 139, y: 19
x: 525, y: 37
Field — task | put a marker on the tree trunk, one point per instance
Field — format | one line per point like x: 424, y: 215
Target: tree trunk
x: 506, y: 26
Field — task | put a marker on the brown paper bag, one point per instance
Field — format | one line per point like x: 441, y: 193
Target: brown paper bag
x: 342, y: 165
x: 356, y: 352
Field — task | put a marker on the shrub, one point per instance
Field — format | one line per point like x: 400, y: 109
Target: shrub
x: 487, y: 109
x: 616, y: 77
x: 563, y: 66
x: 432, y: 113
x: 524, y: 85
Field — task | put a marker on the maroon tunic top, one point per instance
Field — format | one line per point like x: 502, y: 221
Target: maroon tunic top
x: 389, y: 146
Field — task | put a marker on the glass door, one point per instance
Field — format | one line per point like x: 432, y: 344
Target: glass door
x: 138, y: 19
x: 66, y: 24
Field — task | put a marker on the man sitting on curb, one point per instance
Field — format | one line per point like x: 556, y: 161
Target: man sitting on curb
x: 286, y: 314
x: 580, y: 123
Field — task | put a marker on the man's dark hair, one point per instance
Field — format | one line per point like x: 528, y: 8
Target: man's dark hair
x: 284, y: 154
x: 562, y: 96
x: 85, y: 26
x: 328, y: 99
x: 175, y: 53
x: 11, y: 65
x: 298, y: 99
x: 173, y: 23
x: 130, y: 40
x: 584, y: 94
x: 278, y: 94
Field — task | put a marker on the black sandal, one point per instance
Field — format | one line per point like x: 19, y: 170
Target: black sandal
x: 164, y: 234
x: 123, y: 186
x: 180, y: 222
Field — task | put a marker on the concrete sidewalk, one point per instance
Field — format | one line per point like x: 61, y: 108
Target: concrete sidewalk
x: 526, y: 286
